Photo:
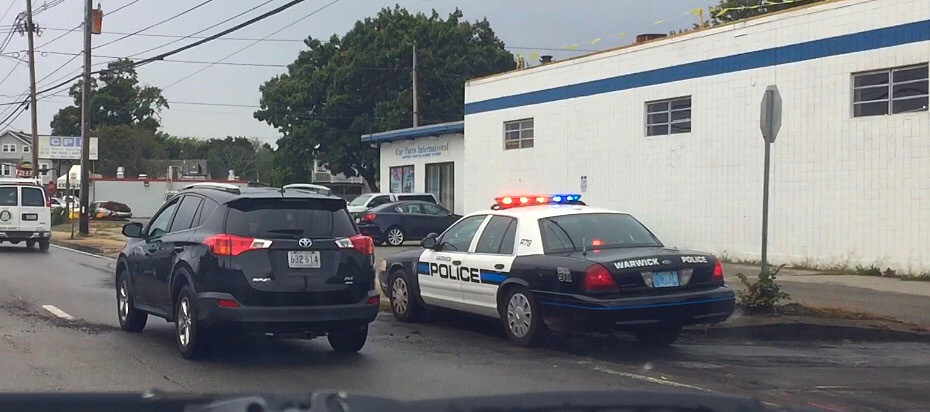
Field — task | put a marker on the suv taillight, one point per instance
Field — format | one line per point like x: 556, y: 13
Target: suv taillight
x: 361, y: 243
x: 232, y: 245
x: 598, y: 279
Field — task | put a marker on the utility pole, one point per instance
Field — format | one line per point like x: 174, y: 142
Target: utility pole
x: 85, y: 120
x: 414, y: 73
x: 30, y: 31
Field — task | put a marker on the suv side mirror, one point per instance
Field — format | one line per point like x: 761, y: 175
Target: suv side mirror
x: 132, y: 230
x: 430, y: 242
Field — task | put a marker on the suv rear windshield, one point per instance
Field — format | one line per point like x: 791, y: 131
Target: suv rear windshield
x: 593, y: 230
x: 286, y: 218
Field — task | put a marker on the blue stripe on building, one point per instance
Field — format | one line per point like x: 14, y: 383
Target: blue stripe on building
x: 815, y: 49
x: 490, y: 277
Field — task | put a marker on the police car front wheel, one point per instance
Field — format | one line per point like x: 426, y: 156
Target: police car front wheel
x: 522, y: 321
x: 403, y: 304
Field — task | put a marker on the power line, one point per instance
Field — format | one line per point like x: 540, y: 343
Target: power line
x: 162, y: 56
x: 201, y: 30
x: 253, y: 43
x: 156, y: 24
x: 123, y: 6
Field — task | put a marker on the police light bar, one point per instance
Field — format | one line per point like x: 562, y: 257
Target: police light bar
x: 532, y: 200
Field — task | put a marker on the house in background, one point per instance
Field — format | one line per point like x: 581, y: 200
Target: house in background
x: 15, y: 148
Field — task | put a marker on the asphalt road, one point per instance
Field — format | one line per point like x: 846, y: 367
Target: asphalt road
x: 452, y: 355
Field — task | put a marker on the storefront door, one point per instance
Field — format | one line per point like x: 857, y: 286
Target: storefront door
x: 440, y: 178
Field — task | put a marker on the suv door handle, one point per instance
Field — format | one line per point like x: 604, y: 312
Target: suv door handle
x: 456, y: 262
x: 499, y: 266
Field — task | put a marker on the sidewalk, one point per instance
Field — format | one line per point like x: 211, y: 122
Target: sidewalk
x: 905, y: 300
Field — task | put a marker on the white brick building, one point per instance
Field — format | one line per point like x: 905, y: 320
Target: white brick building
x: 850, y: 184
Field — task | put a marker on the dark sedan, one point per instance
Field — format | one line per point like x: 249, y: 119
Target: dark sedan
x: 395, y: 223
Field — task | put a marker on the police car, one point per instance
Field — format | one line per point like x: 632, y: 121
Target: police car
x: 549, y: 261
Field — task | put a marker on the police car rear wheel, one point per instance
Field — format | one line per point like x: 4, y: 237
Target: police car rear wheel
x: 394, y: 236
x: 403, y: 305
x: 522, y: 323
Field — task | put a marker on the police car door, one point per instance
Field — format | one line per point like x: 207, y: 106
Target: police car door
x: 438, y: 269
x: 487, y: 266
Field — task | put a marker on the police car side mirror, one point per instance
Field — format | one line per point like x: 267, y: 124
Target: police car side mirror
x: 132, y: 230
x: 430, y: 242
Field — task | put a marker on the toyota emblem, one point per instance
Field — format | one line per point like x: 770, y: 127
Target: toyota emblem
x: 666, y: 262
x: 304, y: 242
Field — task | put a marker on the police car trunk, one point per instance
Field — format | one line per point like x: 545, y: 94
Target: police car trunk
x: 25, y: 211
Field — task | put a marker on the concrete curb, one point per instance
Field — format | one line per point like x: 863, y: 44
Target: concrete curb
x: 80, y: 247
x: 834, y: 330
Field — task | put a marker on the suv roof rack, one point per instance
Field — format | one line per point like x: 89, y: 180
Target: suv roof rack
x: 226, y: 187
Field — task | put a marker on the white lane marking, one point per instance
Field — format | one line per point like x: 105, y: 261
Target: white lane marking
x: 651, y: 380
x: 58, y: 312
x: 81, y: 252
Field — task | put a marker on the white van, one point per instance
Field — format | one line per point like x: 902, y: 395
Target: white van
x: 25, y: 213
x: 370, y: 200
x: 323, y: 190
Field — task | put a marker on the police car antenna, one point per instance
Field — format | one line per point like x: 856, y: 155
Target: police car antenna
x: 584, y: 247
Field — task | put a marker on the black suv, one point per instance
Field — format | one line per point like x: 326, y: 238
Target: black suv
x: 220, y: 259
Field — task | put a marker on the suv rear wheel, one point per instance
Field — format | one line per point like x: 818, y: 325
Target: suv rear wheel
x: 191, y: 337
x: 348, y: 340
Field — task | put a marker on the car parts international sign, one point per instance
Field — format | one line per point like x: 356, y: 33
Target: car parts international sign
x: 64, y: 148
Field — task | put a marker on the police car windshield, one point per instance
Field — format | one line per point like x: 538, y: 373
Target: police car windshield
x: 278, y: 218
x: 594, y: 231
x: 360, y: 201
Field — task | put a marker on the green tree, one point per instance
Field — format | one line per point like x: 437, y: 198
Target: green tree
x: 116, y: 99
x: 338, y: 89
x: 264, y: 160
x: 129, y: 147
x: 232, y: 153
x: 738, y: 11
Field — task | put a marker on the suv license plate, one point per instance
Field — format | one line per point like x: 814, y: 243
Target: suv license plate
x: 303, y: 260
x: 665, y: 279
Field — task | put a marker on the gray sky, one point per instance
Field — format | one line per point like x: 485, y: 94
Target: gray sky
x: 534, y: 24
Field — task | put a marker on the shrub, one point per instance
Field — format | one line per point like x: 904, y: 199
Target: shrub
x: 762, y: 296
x: 59, y: 216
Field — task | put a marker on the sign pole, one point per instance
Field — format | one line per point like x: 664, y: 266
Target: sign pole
x: 765, y: 206
x: 769, y: 124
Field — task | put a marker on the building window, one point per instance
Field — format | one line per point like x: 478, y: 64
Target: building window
x: 9, y: 148
x: 518, y: 134
x: 666, y: 117
x: 401, y: 179
x: 892, y: 91
x: 6, y: 169
x: 26, y: 149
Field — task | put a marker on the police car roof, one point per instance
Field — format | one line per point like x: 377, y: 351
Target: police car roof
x: 544, y: 211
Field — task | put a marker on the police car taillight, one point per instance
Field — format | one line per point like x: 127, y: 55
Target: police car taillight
x: 531, y: 200
x: 598, y: 279
x: 718, y: 271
